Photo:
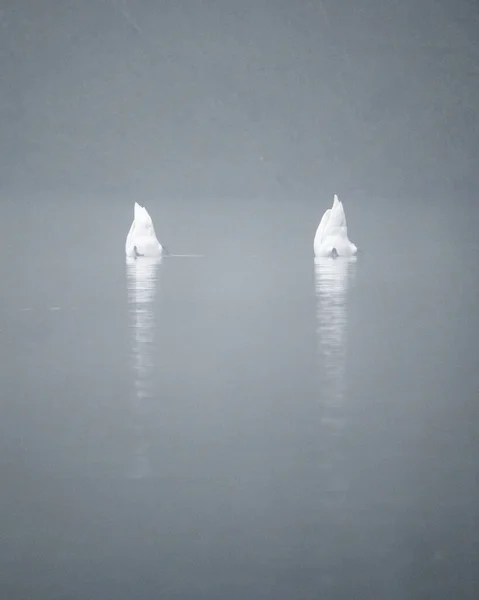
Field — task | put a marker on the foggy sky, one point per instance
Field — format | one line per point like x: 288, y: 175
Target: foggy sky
x: 260, y: 97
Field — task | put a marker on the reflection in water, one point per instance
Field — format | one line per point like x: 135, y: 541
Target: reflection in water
x: 142, y: 277
x: 332, y: 280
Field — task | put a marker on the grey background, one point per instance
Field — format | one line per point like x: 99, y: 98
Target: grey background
x: 252, y: 427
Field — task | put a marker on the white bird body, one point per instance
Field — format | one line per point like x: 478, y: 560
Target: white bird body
x: 331, y: 237
x: 141, y: 239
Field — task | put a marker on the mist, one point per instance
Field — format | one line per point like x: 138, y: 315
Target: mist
x: 263, y: 98
x: 247, y: 422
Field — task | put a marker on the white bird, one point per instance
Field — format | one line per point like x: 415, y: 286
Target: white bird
x: 141, y: 239
x: 331, y: 237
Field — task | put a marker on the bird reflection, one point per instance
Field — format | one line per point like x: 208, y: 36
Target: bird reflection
x: 142, y: 277
x: 333, y: 277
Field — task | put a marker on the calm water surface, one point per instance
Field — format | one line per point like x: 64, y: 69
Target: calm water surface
x: 244, y: 425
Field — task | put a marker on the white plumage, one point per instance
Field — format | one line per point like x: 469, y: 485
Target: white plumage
x: 331, y: 237
x: 141, y: 239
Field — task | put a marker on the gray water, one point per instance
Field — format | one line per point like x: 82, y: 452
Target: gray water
x: 248, y: 424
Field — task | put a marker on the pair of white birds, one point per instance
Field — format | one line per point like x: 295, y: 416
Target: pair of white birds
x: 331, y: 239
